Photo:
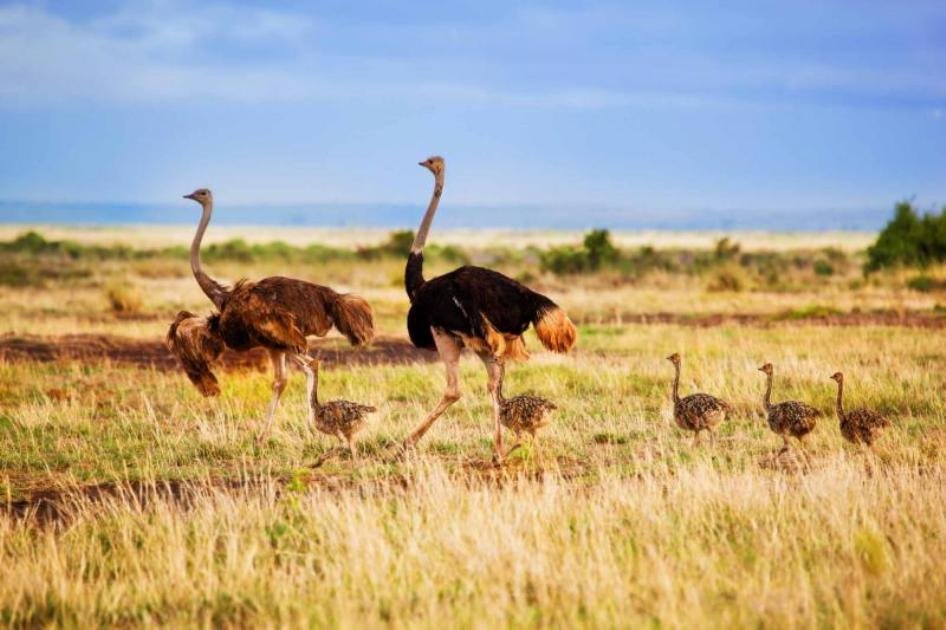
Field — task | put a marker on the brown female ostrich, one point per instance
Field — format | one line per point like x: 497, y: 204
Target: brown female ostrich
x: 276, y: 313
x: 789, y: 418
x: 477, y: 308
x: 523, y: 414
x: 341, y: 418
x: 858, y: 426
x: 696, y: 412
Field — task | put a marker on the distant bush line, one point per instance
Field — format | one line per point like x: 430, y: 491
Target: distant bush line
x: 725, y: 267
x: 234, y: 250
x: 728, y: 267
x: 908, y: 240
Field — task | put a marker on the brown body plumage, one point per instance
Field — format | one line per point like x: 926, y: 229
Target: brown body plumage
x: 791, y: 418
x: 696, y: 412
x: 341, y: 418
x: 475, y: 308
x: 196, y: 345
x: 276, y: 313
x: 858, y: 426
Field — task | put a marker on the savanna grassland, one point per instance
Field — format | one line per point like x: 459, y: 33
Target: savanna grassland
x: 127, y: 498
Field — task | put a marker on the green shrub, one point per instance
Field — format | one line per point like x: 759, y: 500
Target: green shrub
x: 726, y: 249
x: 599, y: 249
x: 925, y: 284
x: 909, y: 240
x: 595, y: 252
x: 399, y: 243
x: 16, y: 275
x: 812, y: 311
x: 30, y: 242
x: 728, y: 278
x: 564, y: 260
x: 823, y: 268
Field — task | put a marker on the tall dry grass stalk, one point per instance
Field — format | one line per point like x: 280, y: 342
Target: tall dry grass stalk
x: 701, y: 547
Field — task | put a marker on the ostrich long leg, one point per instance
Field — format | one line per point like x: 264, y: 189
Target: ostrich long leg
x: 449, y: 350
x: 494, y: 369
x: 279, y: 385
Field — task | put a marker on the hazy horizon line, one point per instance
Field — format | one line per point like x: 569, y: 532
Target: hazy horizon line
x: 458, y: 216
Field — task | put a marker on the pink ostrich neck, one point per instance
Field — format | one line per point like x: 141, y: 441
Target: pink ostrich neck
x: 211, y: 288
x: 421, y: 238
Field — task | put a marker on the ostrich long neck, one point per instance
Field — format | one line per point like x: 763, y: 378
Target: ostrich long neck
x: 414, y: 270
x: 676, y: 383
x: 840, y: 405
x: 211, y: 288
x: 767, y: 400
x: 421, y: 238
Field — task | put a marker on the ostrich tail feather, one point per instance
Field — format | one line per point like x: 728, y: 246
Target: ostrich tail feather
x: 555, y: 330
x: 354, y: 319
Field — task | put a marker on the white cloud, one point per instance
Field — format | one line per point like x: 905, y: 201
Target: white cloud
x: 157, y: 53
x: 177, y: 50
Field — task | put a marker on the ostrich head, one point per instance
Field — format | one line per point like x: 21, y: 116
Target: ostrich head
x: 837, y: 376
x: 767, y: 368
x: 674, y: 358
x: 434, y: 164
x: 196, y: 344
x: 203, y: 196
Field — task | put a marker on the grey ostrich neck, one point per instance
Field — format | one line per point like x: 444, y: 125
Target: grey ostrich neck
x: 767, y: 399
x: 676, y: 383
x: 421, y: 238
x: 211, y: 288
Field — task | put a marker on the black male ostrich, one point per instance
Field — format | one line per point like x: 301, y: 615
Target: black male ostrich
x: 276, y: 313
x: 477, y: 308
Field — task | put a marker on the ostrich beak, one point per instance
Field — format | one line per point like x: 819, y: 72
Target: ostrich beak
x: 422, y: 164
x: 190, y: 196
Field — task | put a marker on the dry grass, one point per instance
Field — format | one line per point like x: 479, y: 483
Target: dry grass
x: 624, y: 522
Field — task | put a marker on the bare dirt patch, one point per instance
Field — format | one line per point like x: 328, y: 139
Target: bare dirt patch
x: 399, y: 351
x: 153, y: 354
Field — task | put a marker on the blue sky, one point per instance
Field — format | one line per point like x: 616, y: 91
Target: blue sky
x: 616, y: 108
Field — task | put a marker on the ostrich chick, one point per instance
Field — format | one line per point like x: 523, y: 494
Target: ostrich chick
x: 341, y: 418
x: 790, y: 418
x: 523, y: 414
x: 858, y: 426
x: 696, y: 412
